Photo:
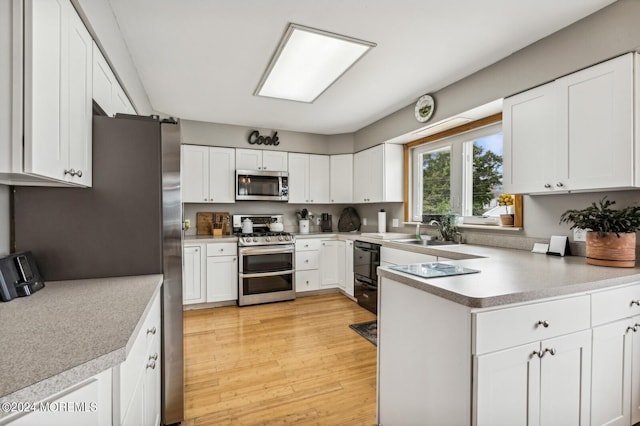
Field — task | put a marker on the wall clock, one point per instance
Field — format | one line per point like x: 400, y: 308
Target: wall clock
x: 424, y: 108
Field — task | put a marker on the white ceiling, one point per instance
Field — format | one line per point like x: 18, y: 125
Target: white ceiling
x: 202, y: 59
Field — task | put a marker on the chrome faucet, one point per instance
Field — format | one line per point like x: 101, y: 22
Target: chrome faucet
x: 418, y: 236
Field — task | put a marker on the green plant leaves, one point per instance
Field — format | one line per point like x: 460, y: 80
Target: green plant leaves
x: 600, y: 217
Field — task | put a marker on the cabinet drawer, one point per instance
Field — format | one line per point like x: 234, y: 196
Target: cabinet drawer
x: 307, y: 280
x: 222, y: 249
x: 612, y: 305
x: 308, y: 244
x: 504, y: 328
x: 306, y: 260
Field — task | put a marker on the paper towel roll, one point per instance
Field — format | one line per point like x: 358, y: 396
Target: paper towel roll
x: 382, y: 221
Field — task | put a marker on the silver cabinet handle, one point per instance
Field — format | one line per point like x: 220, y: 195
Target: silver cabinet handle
x: 151, y: 365
x: 79, y: 173
x: 540, y: 354
x: 547, y: 185
x: 559, y: 184
x: 71, y: 172
x: 545, y: 324
x: 635, y: 302
x: 153, y: 357
x: 152, y: 330
x: 632, y: 328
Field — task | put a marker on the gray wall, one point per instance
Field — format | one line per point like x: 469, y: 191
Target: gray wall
x: 4, y: 220
x: 216, y: 134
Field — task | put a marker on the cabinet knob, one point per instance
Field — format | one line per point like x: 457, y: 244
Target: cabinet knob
x: 547, y: 185
x: 196, y: 250
x: 545, y: 324
x: 632, y: 328
x: 153, y: 357
x: 307, y: 282
x: 559, y: 184
x: 71, y: 172
x: 306, y: 261
x: 635, y: 302
x: 234, y: 259
x: 540, y: 354
x: 221, y: 250
x: 152, y: 330
x: 205, y: 199
x: 79, y: 173
x: 152, y: 365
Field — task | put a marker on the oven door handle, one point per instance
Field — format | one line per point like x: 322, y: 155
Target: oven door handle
x: 266, y: 274
x: 263, y: 250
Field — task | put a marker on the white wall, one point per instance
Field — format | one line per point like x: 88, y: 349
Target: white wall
x: 4, y: 220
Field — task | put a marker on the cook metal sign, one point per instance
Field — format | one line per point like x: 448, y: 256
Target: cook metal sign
x: 256, y: 139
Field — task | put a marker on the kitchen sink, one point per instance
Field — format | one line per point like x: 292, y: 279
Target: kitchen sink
x: 416, y: 242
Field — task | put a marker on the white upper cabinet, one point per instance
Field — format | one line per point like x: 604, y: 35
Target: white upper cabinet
x: 107, y: 92
x: 573, y: 134
x: 208, y: 174
x: 256, y: 159
x: 341, y: 178
x: 378, y: 174
x: 308, y: 178
x: 51, y: 109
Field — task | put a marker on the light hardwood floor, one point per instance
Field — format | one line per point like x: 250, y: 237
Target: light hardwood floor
x: 294, y: 362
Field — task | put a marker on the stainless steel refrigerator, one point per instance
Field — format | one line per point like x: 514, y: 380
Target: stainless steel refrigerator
x: 128, y: 223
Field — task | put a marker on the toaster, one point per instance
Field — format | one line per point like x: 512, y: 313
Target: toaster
x: 19, y: 276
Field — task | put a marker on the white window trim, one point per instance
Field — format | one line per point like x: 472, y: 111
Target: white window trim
x: 460, y: 168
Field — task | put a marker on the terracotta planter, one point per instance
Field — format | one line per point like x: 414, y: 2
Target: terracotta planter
x: 506, y: 219
x: 611, y: 250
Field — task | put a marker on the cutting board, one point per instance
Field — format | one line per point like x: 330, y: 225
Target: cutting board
x: 212, y: 223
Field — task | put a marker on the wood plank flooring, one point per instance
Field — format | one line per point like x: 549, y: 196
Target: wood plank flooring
x: 294, y: 362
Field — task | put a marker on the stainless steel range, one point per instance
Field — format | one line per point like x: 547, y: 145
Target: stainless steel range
x: 267, y: 260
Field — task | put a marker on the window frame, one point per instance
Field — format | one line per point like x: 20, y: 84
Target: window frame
x: 450, y: 136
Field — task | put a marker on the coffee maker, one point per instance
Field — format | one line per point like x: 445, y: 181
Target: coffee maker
x: 325, y: 222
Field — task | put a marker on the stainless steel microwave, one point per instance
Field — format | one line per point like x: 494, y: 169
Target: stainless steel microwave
x: 262, y: 185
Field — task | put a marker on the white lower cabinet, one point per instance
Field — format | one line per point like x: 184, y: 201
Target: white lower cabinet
x: 307, y: 264
x: 615, y: 384
x: 222, y: 272
x: 194, y: 274
x: 541, y: 383
x: 137, y: 380
x: 332, y: 264
x: 87, y: 403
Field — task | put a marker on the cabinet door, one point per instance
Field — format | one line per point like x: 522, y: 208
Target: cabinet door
x: 362, y: 176
x: 507, y: 389
x: 532, y: 150
x: 274, y: 161
x: 298, y: 178
x: 332, y: 264
x: 103, y: 80
x: 222, y: 175
x: 248, y: 159
x: 79, y: 55
x: 152, y: 385
x: 348, y: 268
x: 565, y: 374
x: 611, y: 374
x: 635, y: 372
x: 46, y: 34
x: 376, y: 174
x: 341, y: 178
x: 222, y: 278
x: 319, y: 179
x: 121, y: 103
x: 600, y: 138
x: 195, y: 174
x: 192, y: 284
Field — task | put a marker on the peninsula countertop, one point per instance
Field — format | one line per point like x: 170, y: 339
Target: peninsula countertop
x: 69, y: 331
x: 511, y: 276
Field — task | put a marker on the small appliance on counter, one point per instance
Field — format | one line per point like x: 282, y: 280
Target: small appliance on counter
x: 19, y: 276
x: 325, y: 223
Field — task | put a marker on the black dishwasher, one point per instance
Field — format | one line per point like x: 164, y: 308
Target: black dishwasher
x: 366, y: 259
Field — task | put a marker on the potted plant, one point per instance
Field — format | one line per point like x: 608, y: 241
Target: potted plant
x: 507, y: 218
x: 611, y: 238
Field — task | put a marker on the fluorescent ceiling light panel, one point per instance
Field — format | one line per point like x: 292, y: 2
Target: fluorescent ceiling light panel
x: 307, y: 62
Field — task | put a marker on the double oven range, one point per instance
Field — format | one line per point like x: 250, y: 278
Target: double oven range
x: 266, y: 271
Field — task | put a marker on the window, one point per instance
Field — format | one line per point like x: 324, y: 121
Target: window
x: 460, y: 174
